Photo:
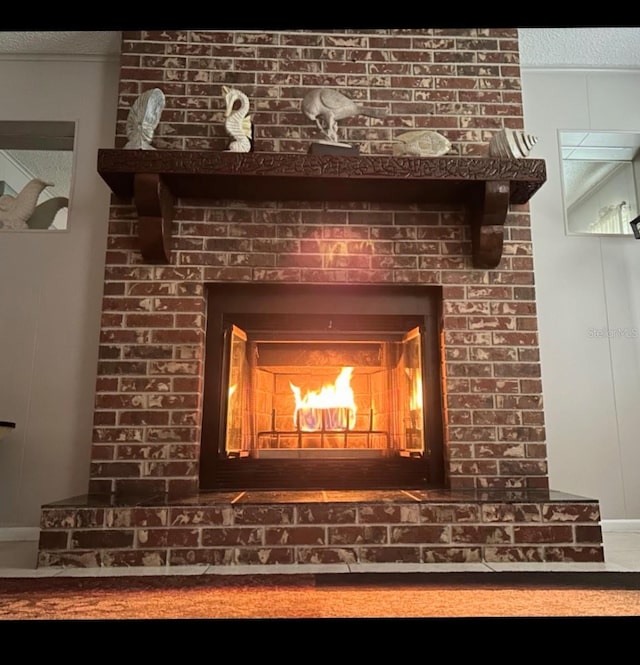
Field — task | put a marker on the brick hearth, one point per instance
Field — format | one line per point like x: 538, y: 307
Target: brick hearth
x: 144, y: 505
x: 310, y: 528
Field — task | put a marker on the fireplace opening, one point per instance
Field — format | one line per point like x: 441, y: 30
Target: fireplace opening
x: 322, y: 387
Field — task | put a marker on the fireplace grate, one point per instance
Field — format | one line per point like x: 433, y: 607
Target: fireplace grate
x: 274, y: 438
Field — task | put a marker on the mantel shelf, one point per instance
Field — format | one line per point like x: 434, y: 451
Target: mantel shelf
x: 154, y: 179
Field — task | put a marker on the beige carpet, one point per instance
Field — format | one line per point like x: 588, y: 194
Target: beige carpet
x: 357, y: 596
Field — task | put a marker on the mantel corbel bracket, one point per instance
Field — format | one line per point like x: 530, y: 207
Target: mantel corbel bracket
x: 157, y: 179
x: 488, y: 216
x: 154, y: 204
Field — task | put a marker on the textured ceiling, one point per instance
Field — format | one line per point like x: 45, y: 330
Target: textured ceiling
x: 81, y: 42
x: 539, y: 47
x: 580, y: 47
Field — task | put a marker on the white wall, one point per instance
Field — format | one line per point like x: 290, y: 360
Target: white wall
x: 50, y: 294
x: 588, y: 294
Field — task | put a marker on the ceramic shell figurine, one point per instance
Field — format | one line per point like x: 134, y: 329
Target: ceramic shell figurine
x: 421, y: 143
x: 143, y: 119
x: 511, y: 144
x: 237, y: 123
x: 326, y: 107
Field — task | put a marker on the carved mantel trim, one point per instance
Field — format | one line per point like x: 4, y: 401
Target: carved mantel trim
x: 155, y: 178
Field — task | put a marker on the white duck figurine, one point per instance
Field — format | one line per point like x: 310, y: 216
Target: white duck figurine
x: 237, y: 123
x: 15, y: 211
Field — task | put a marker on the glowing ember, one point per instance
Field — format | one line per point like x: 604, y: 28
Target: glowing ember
x: 331, y: 408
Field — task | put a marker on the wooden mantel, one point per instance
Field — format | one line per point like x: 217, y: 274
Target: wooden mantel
x: 155, y: 179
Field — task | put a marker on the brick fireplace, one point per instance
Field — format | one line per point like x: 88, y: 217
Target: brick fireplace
x: 189, y: 220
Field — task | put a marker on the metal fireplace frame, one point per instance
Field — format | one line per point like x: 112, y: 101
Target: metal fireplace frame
x: 373, y: 309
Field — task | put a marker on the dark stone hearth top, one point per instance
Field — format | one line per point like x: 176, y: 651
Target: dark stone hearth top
x: 329, y: 496
x: 155, y: 178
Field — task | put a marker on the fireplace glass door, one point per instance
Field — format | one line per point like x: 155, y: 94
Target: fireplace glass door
x: 322, y: 386
x: 325, y: 397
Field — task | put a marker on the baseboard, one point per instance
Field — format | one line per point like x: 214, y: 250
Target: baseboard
x: 620, y: 525
x: 19, y: 533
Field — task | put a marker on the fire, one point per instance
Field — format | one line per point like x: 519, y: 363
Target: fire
x: 331, y: 408
x: 415, y: 399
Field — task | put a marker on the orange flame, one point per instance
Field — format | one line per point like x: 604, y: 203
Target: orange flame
x: 331, y: 408
x: 415, y: 399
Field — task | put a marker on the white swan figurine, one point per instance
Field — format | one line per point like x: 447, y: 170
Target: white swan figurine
x: 237, y: 123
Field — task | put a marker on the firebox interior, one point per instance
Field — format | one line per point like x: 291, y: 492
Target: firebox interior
x: 322, y: 387
x: 314, y: 398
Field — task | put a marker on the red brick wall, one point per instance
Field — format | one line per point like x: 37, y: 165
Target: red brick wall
x: 464, y: 84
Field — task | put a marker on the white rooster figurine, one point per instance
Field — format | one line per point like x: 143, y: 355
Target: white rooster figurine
x: 237, y: 123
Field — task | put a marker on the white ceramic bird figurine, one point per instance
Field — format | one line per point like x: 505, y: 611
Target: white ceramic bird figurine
x: 15, y: 211
x: 237, y: 123
x: 326, y: 107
